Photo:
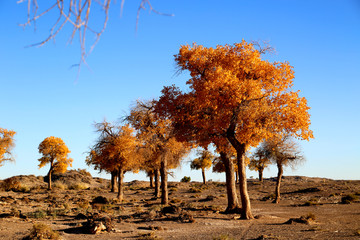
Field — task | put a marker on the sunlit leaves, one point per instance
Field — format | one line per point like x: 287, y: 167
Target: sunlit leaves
x: 116, y: 148
x: 204, y: 161
x: 6, y: 144
x: 232, y: 84
x: 55, y: 152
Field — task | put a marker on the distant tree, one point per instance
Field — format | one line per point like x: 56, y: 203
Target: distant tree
x: 55, y: 152
x: 259, y: 160
x: 115, y: 151
x: 283, y: 151
x: 204, y: 161
x: 6, y: 145
x: 158, y: 135
x: 151, y: 164
x: 236, y: 95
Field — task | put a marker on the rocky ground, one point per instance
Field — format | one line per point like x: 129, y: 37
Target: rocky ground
x: 82, y: 207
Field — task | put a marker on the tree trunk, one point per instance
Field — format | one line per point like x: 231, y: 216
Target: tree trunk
x: 50, y: 173
x: 261, y: 174
x: 278, y: 181
x: 233, y: 203
x: 203, y: 175
x: 151, y: 176
x: 114, y: 176
x: 157, y: 183
x: 236, y: 177
x: 120, y: 184
x: 164, y: 187
x: 49, y: 179
x: 240, y: 152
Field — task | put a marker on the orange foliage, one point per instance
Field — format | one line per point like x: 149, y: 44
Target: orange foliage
x: 235, y: 97
x: 115, y: 149
x: 232, y: 84
x: 6, y: 144
x: 55, y: 152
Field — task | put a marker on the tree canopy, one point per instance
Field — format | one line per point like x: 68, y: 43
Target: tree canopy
x: 6, y: 145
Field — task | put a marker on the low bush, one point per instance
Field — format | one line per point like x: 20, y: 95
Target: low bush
x: 223, y: 237
x: 42, y: 231
x: 11, y: 184
x: 349, y: 198
x: 195, y: 190
x: 185, y: 179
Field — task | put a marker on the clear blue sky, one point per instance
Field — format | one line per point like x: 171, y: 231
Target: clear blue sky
x: 41, y: 96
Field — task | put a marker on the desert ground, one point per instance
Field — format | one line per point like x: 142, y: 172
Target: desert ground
x: 82, y: 207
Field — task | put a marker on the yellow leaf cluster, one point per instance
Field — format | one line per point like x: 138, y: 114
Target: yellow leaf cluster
x: 233, y: 89
x: 6, y: 144
x: 115, y: 149
x: 55, y: 152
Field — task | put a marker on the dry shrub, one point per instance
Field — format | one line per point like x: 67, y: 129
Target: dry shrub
x: 148, y: 236
x: 186, y: 217
x: 349, y: 199
x: 42, y: 231
x: 98, y: 223
x: 175, y: 200
x: 223, y: 237
x: 79, y: 186
x: 269, y: 197
x: 307, y: 219
x: 60, y: 185
x: 195, y: 190
x: 40, y: 213
x: 11, y: 184
x: 312, y: 202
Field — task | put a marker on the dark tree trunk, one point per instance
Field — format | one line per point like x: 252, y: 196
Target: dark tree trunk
x: 120, y: 184
x: 236, y: 177
x: 157, y: 183
x: 49, y: 179
x: 114, y: 176
x: 240, y: 152
x: 261, y: 174
x: 50, y: 174
x: 233, y: 203
x: 278, y: 181
x: 203, y: 175
x: 164, y: 187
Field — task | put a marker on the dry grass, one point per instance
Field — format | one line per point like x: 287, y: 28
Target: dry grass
x: 42, y: 231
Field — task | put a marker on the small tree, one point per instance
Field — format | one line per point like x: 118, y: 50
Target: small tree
x: 283, y: 151
x: 157, y: 134
x: 115, y: 151
x: 6, y: 145
x: 259, y: 161
x: 203, y: 162
x: 55, y: 152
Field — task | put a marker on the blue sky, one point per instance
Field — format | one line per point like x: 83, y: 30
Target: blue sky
x: 41, y: 95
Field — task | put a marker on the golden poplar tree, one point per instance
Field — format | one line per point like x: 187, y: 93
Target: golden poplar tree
x: 115, y: 151
x: 55, y: 152
x: 6, y: 145
x: 259, y: 160
x: 282, y: 151
x: 203, y: 162
x: 235, y: 96
x: 157, y: 134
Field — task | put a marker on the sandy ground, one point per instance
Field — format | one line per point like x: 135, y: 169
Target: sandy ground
x: 196, y: 211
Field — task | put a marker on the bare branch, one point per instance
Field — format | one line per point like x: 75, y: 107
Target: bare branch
x: 77, y: 13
